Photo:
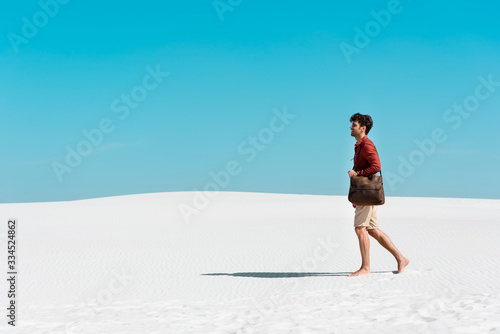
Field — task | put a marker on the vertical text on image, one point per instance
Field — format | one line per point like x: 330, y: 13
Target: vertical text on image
x: 12, y: 273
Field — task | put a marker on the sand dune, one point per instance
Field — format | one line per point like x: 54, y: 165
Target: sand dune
x: 252, y: 263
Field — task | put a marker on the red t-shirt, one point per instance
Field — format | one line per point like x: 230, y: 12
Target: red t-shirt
x: 367, y: 161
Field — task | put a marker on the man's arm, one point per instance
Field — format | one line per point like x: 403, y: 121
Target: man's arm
x: 370, y: 153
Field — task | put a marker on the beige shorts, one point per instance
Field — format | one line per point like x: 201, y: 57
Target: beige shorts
x: 366, y: 216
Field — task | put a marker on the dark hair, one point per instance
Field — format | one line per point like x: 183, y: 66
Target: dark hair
x: 363, y: 120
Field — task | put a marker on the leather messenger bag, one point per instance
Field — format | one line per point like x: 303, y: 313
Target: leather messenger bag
x: 367, y: 190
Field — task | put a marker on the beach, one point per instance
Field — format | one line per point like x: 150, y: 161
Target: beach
x: 251, y: 263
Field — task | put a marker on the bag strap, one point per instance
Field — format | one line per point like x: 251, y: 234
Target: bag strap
x: 361, y: 146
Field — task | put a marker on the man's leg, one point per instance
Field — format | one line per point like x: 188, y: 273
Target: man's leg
x: 386, y: 242
x: 364, y: 247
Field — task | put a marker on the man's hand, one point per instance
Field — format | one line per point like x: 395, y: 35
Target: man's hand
x: 351, y: 173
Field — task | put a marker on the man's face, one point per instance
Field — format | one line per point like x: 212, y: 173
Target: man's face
x: 356, y: 130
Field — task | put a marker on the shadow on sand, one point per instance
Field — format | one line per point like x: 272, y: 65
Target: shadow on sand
x: 288, y: 275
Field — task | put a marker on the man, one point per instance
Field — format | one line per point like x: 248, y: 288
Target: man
x: 367, y: 162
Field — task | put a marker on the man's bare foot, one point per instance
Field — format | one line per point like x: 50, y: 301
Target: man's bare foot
x: 402, y: 264
x: 360, y: 272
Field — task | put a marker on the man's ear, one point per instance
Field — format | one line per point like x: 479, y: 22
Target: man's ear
x: 363, y: 128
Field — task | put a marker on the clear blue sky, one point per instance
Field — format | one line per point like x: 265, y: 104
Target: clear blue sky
x: 232, y: 67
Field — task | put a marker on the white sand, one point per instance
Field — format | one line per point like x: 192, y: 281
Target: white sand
x: 252, y: 263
